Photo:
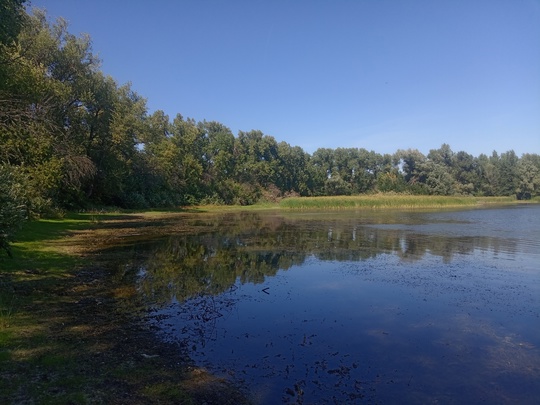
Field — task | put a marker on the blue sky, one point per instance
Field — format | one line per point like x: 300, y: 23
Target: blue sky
x: 376, y: 74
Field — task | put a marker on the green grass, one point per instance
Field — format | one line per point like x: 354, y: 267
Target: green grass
x: 8, y: 305
x: 41, y: 245
x: 37, y: 362
x: 385, y: 201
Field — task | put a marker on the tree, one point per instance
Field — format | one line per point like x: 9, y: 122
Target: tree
x: 335, y: 185
x: 345, y: 166
x: 465, y: 172
x: 219, y: 162
x: 411, y: 165
x: 508, y: 175
x: 442, y: 156
x: 390, y: 181
x: 12, y: 16
x: 188, y: 145
x: 256, y: 158
x: 44, y: 91
x: 437, y: 178
x: 528, y: 177
x: 150, y: 170
x: 322, y: 167
x: 293, y: 170
x: 366, y: 170
x: 488, y: 174
x: 127, y: 132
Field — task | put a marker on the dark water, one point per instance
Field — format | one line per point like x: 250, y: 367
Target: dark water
x: 357, y: 307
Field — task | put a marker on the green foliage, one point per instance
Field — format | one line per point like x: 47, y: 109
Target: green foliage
x: 508, y: 176
x: 411, y: 163
x: 13, y: 205
x: 528, y: 177
x: 293, y: 173
x: 12, y: 17
x: 437, y: 178
x: 335, y: 185
x: 81, y: 140
x: 390, y: 181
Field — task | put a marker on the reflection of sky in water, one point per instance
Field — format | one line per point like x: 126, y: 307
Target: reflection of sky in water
x: 512, y: 229
x: 384, y: 329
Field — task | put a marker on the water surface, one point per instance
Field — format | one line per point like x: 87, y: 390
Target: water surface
x: 357, y: 307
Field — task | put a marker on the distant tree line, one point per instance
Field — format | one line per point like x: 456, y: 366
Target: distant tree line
x: 72, y: 138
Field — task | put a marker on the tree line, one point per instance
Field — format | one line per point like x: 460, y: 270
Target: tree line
x: 71, y: 137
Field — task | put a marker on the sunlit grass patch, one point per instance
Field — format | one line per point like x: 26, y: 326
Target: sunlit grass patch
x: 48, y: 248
x: 383, y: 201
x: 43, y: 246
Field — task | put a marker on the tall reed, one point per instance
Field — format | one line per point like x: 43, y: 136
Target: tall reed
x: 382, y: 201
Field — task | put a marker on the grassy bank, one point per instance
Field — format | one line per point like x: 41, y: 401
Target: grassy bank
x: 384, y: 201
x: 71, y: 329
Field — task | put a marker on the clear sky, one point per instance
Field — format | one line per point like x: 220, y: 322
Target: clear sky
x: 376, y: 74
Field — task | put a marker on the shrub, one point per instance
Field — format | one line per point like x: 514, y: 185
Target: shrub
x: 13, y: 204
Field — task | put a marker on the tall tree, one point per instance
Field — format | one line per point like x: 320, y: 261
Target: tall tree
x: 508, y: 175
x: 323, y: 164
x: 443, y: 156
x: 411, y: 162
x: 489, y: 174
x: 12, y: 15
x: 293, y: 174
x: 256, y: 155
x: 528, y: 177
x: 13, y: 113
x: 219, y: 162
x: 436, y: 177
x: 189, y: 144
x: 465, y: 172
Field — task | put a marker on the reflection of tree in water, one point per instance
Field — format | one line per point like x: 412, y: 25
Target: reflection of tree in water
x: 188, y: 266
x: 416, y: 246
x: 199, y: 273
x: 248, y: 247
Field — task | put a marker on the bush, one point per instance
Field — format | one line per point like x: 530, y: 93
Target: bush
x: 271, y: 194
x: 389, y: 181
x: 13, y: 205
x: 337, y: 186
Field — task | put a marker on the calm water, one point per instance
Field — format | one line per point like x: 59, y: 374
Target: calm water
x: 356, y: 307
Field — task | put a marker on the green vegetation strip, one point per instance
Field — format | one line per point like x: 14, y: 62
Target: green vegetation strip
x: 381, y: 201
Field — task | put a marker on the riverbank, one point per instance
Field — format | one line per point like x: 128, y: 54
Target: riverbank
x: 72, y: 327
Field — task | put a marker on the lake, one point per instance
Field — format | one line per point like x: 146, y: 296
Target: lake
x: 355, y: 306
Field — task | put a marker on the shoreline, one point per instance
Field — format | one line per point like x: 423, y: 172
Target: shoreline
x: 73, y: 330
x: 72, y: 325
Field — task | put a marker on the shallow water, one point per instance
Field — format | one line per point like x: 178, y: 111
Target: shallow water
x: 355, y: 307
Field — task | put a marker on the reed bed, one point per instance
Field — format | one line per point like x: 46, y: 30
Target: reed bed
x: 384, y: 201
